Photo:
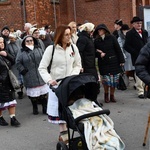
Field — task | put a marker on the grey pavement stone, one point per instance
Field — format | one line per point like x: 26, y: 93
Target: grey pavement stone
x: 129, y: 115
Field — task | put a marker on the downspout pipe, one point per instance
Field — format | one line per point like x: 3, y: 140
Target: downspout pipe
x: 74, y: 9
x: 24, y: 11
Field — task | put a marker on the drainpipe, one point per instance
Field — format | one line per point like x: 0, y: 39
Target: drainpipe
x: 74, y: 9
x: 55, y: 14
x: 24, y: 11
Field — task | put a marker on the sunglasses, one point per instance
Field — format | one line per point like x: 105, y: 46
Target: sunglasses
x: 29, y: 41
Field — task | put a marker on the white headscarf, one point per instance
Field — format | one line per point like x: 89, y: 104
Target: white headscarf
x: 87, y: 27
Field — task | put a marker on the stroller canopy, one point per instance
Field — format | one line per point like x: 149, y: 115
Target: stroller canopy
x: 71, y: 83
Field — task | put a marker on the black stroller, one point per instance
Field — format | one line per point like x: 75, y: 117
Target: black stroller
x: 67, y: 86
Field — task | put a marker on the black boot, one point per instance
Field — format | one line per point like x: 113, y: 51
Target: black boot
x: 43, y: 100
x: 14, y: 122
x: 20, y: 95
x: 34, y: 104
x: 3, y: 122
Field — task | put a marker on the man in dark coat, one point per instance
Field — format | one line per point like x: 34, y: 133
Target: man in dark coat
x: 142, y: 65
x: 136, y: 38
x: 117, y: 25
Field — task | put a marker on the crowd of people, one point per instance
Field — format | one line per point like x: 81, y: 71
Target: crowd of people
x: 38, y: 57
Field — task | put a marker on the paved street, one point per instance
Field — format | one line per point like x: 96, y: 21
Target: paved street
x: 129, y: 115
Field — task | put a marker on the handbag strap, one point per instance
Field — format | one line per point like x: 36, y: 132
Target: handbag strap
x: 6, y: 64
x: 49, y: 67
x: 122, y: 69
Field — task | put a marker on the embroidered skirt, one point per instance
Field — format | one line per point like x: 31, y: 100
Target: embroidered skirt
x: 110, y: 80
x: 37, y: 91
x: 6, y: 105
x: 52, y: 108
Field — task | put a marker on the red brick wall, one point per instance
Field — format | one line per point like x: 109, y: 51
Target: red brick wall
x: 11, y: 14
x: 103, y: 11
x: 41, y: 12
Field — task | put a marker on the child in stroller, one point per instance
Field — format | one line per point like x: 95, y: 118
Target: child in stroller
x: 77, y: 103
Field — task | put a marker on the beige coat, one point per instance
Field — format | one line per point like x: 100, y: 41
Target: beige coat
x: 65, y: 63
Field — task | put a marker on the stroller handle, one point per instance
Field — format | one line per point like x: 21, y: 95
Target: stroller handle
x: 101, y: 112
x: 52, y: 87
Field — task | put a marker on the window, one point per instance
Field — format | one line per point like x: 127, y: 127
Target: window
x: 54, y: 1
x: 5, y: 2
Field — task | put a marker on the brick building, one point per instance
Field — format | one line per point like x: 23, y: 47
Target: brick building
x: 15, y: 13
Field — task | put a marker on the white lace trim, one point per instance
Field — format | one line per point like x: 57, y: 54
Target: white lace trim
x: 37, y: 91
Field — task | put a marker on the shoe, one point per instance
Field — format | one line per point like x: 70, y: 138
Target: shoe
x: 35, y: 106
x: 20, y: 95
x: 112, y: 99
x: 14, y: 122
x: 63, y: 137
x: 35, y: 111
x: 3, y: 122
x: 141, y: 96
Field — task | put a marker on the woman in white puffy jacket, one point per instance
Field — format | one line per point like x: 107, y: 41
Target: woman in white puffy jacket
x: 66, y: 61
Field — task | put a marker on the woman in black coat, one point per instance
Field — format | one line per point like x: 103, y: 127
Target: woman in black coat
x: 110, y: 60
x: 86, y: 48
x: 7, y: 93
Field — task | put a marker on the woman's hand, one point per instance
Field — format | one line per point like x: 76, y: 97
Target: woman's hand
x: 3, y: 53
x: 52, y: 82
x: 101, y: 53
x: 81, y: 70
x: 122, y: 64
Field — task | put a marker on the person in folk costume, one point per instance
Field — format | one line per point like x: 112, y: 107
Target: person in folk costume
x: 135, y: 39
x: 110, y: 60
x: 27, y: 62
x: 7, y: 93
x: 66, y: 62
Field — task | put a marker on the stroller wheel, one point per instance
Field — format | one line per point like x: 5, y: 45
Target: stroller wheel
x: 61, y: 146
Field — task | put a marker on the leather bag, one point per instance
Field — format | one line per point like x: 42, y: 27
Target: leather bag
x: 13, y: 79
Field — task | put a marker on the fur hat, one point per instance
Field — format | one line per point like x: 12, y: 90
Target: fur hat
x: 136, y: 19
x: 87, y: 27
x: 32, y: 30
x: 118, y: 22
x: 47, y: 27
x: 5, y: 28
x: 13, y: 35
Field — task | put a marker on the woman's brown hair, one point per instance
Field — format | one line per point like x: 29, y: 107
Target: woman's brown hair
x: 60, y: 33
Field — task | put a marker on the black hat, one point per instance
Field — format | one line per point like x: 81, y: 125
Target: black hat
x: 118, y: 22
x: 5, y: 28
x: 100, y: 26
x: 47, y: 27
x: 136, y: 19
x: 125, y: 27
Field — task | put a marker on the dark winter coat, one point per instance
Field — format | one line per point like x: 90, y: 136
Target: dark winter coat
x: 27, y: 62
x: 7, y: 92
x: 87, y: 52
x: 142, y: 65
x: 13, y: 48
x: 110, y: 63
x: 134, y: 43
